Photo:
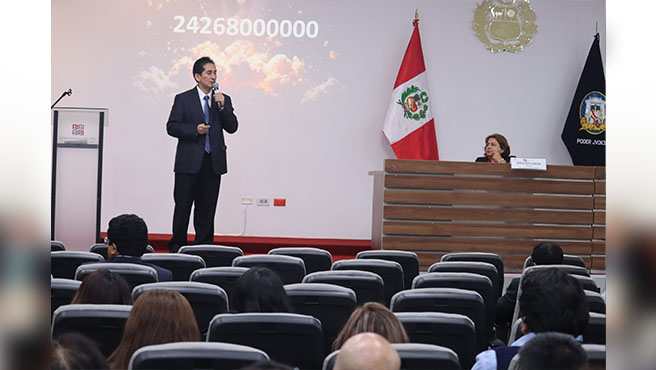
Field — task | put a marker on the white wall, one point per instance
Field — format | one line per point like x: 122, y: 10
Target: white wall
x: 123, y: 55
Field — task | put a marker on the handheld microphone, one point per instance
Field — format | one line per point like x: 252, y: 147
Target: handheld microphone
x: 215, y: 89
x: 69, y: 92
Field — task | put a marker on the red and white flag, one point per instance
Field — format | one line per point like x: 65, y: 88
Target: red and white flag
x: 409, y: 124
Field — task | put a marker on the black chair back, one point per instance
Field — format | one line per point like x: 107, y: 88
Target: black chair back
x: 290, y: 269
x: 180, y: 265
x: 213, y: 255
x: 195, y: 355
x: 64, y: 263
x: 368, y: 287
x: 492, y: 258
x: 133, y: 273
x: 408, y: 261
x: 62, y: 292
x: 390, y: 271
x: 223, y: 277
x: 315, y: 259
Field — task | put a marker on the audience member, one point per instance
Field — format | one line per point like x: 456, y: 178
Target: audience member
x: 268, y: 365
x: 551, y: 351
x: 367, y: 351
x: 73, y: 350
x: 551, y: 300
x: 545, y: 253
x: 157, y: 317
x: 127, y: 238
x: 372, y: 317
x: 259, y: 290
x: 103, y: 287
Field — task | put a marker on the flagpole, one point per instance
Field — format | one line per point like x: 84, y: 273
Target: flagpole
x: 416, y: 20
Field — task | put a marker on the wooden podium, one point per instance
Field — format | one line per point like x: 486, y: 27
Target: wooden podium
x: 437, y: 207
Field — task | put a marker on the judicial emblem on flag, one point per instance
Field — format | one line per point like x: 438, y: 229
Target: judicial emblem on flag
x: 409, y: 125
x: 584, y: 133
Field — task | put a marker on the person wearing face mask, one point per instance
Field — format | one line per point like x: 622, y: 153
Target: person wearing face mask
x: 497, y: 150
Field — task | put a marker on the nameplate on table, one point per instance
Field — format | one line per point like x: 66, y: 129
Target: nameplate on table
x: 539, y: 164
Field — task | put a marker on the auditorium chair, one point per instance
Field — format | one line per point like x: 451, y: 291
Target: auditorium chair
x: 329, y: 303
x: 57, y: 246
x: 568, y: 259
x: 481, y: 268
x: 492, y: 258
x: 64, y: 263
x: 315, y: 259
x: 213, y: 255
x: 596, y: 355
x: 390, y: 271
x: 133, y: 273
x: 414, y: 356
x: 181, y: 265
x: 102, y: 323
x: 595, y: 302
x: 195, y: 355
x: 448, y: 300
x: 206, y: 300
x: 453, y: 331
x: 572, y: 269
x: 595, y: 332
x: 368, y: 287
x: 223, y: 277
x: 468, y: 281
x: 293, y: 339
x: 290, y: 269
x: 62, y: 292
x: 101, y: 249
x: 587, y: 283
x: 408, y: 261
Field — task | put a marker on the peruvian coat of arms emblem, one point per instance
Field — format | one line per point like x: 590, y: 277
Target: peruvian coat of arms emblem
x: 505, y: 25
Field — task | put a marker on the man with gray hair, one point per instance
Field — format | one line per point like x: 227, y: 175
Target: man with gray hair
x: 367, y: 351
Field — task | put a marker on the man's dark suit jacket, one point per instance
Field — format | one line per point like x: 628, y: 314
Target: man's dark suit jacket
x: 506, y: 303
x: 186, y: 114
x: 162, y: 273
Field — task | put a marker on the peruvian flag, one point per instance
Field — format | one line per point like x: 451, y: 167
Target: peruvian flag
x: 409, y: 124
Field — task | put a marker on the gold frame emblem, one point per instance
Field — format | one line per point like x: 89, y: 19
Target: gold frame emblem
x: 504, y: 25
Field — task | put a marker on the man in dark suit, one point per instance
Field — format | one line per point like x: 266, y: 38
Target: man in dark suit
x: 127, y: 238
x: 198, y: 118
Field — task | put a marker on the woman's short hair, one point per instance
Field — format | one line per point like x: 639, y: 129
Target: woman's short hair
x: 157, y: 317
x: 103, y: 287
x: 372, y: 317
x: 259, y: 290
x: 503, y: 143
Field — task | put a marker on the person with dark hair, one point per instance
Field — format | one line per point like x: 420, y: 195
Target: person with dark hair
x: 372, y: 317
x: 127, y: 238
x: 157, y: 317
x: 545, y: 253
x: 497, y: 150
x: 103, y: 287
x: 549, y: 351
x: 72, y: 351
x: 259, y: 290
x: 551, y: 300
x: 198, y: 118
x: 367, y: 351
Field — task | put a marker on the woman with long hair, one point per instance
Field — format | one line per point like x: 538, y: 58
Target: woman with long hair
x: 103, y: 287
x: 259, y: 290
x: 372, y: 317
x: 157, y: 317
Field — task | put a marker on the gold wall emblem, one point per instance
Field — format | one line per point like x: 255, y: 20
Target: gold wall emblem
x: 505, y: 25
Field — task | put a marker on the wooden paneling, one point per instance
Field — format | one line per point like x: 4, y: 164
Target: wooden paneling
x: 445, y: 167
x: 599, y: 232
x: 599, y: 262
x: 486, y: 183
x: 598, y: 247
x: 434, y: 213
x: 523, y: 246
x: 600, y: 217
x: 497, y: 230
x: 487, y: 199
x: 436, y: 207
x: 600, y: 187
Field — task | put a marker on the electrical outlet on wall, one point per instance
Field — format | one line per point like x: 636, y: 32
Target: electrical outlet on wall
x: 247, y: 201
x: 263, y: 202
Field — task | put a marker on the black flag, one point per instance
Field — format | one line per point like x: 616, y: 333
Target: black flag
x: 584, y: 133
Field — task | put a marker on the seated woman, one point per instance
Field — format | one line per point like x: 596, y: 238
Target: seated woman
x: 372, y: 317
x: 497, y: 150
x: 157, y: 317
x: 103, y: 287
x: 259, y: 290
